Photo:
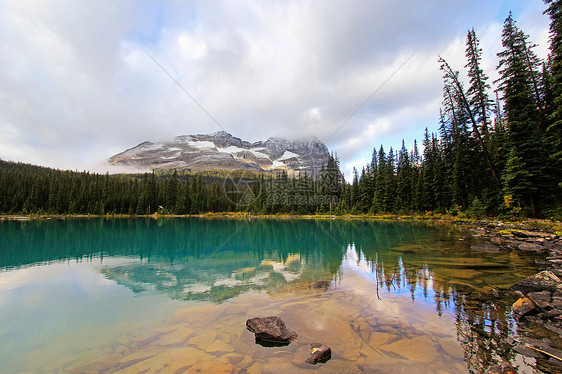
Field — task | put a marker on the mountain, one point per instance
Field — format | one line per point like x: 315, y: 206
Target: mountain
x: 222, y: 151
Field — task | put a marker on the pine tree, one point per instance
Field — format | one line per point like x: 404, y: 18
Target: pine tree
x: 374, y: 172
x: 440, y: 186
x: 355, y: 190
x: 152, y: 195
x: 415, y: 203
x: 528, y: 152
x: 546, y: 94
x: 500, y: 141
x: 172, y: 192
x: 554, y: 130
x: 518, y: 180
x: 142, y: 201
x: 390, y: 182
x: 477, y: 92
x: 366, y: 189
x: 403, y: 180
x: 378, y: 198
x: 182, y: 200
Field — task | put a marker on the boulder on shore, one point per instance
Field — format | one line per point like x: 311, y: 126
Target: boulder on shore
x: 270, y: 330
x: 545, y: 280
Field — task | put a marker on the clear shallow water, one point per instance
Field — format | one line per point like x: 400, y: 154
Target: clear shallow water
x: 172, y: 295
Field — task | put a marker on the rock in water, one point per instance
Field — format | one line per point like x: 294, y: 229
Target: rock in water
x: 501, y: 369
x: 485, y: 248
x: 319, y: 353
x: 523, y: 306
x: 545, y: 280
x: 270, y: 330
x: 530, y: 247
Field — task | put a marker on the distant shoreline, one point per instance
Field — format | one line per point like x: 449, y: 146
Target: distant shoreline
x: 391, y: 217
x: 437, y: 218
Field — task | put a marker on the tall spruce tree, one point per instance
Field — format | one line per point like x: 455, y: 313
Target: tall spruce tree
x: 366, y: 189
x: 427, y: 199
x: 378, y: 198
x: 477, y: 92
x: 554, y: 129
x: 526, y: 170
x: 416, y: 177
x: 355, y: 197
x: 403, y: 180
x: 390, y: 182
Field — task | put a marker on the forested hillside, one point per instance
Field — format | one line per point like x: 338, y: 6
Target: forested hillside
x: 33, y: 189
x: 496, y: 153
x: 27, y: 188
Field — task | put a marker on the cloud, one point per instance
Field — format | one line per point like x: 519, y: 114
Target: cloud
x: 77, y: 83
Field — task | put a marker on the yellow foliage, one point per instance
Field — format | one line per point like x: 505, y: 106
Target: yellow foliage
x: 508, y: 199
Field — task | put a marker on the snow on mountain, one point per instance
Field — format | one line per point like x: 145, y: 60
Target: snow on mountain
x: 287, y: 155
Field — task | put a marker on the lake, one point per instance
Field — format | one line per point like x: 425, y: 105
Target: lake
x: 172, y: 295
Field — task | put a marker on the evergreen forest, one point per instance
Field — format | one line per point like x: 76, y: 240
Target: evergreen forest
x: 496, y: 153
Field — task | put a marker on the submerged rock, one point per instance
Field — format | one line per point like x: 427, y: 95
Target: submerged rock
x: 545, y: 280
x: 317, y: 287
x: 311, y: 354
x: 485, y: 248
x: 319, y: 353
x: 418, y: 349
x: 531, y: 247
x: 271, y: 330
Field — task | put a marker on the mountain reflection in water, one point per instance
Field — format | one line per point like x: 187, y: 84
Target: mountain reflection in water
x: 219, y: 259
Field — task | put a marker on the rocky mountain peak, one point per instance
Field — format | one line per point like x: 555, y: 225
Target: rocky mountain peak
x: 221, y: 134
x: 222, y: 151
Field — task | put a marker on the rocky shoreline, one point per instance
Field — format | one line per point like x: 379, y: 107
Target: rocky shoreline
x: 501, y: 236
x: 539, y: 297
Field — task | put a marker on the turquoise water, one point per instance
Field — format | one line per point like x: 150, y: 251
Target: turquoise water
x: 132, y: 295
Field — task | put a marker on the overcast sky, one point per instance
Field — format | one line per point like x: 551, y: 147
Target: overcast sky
x: 77, y: 83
